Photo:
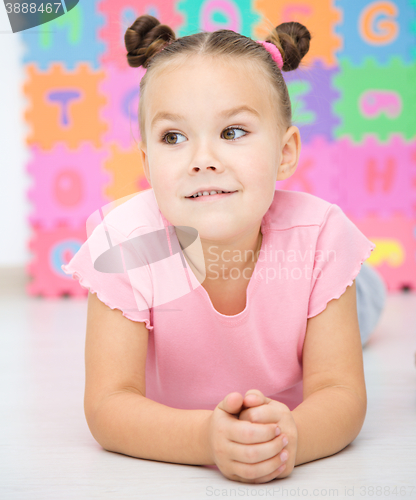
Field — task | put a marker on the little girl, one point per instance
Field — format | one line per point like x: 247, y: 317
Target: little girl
x: 222, y: 322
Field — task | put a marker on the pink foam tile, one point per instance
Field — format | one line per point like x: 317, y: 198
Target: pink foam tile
x: 121, y: 86
x: 120, y: 14
x: 51, y: 248
x: 316, y: 173
x: 67, y: 184
x: 377, y: 178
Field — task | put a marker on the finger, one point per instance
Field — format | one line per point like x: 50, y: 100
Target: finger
x: 244, y: 432
x: 264, y: 414
x: 259, y: 415
x: 259, y: 472
x: 254, y: 397
x: 263, y: 479
x: 258, y: 452
x: 271, y: 476
x: 232, y: 403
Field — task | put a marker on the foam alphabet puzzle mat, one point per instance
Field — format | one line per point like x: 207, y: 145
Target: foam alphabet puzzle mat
x: 352, y: 99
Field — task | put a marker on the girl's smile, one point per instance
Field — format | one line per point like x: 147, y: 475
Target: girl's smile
x: 211, y: 197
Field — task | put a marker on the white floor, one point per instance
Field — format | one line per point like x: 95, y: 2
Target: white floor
x: 47, y: 451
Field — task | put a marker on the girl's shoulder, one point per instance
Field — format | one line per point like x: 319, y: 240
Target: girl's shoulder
x: 133, y: 212
x: 290, y: 209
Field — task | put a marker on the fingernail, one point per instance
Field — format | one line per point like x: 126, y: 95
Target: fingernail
x: 277, y: 431
x: 285, y: 441
x: 281, y: 468
x: 283, y: 456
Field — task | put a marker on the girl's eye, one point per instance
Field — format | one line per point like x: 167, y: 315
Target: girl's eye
x: 167, y: 137
x: 234, y: 128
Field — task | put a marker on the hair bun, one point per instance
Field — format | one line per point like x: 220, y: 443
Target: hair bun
x: 294, y: 40
x: 144, y: 39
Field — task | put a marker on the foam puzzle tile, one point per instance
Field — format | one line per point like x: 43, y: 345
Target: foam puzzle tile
x: 319, y: 17
x: 376, y: 99
x: 50, y: 249
x: 377, y: 178
x: 67, y: 185
x: 64, y: 106
x: 380, y: 30
x: 214, y: 15
x: 413, y: 29
x: 68, y: 39
x: 126, y: 169
x: 316, y: 172
x: 120, y: 14
x: 121, y: 112
x: 395, y: 254
x: 312, y: 94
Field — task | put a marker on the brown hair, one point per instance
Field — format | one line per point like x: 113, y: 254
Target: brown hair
x: 146, y: 38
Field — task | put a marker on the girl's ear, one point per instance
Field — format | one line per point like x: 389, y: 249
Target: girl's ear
x: 145, y: 161
x: 290, y: 153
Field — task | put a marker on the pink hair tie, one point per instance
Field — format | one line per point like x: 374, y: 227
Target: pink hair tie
x: 274, y: 52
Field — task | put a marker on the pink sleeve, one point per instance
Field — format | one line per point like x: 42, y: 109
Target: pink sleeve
x: 112, y: 288
x: 341, y: 249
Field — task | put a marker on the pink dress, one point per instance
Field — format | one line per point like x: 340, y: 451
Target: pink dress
x: 310, y: 253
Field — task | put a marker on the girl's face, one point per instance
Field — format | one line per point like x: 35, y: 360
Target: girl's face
x: 199, y: 145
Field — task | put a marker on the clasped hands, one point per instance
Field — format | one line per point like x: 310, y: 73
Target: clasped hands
x: 253, y: 439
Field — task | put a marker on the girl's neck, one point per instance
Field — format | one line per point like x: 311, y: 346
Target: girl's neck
x: 236, y: 263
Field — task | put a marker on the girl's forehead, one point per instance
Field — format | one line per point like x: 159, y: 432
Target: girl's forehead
x: 215, y: 84
x: 181, y: 66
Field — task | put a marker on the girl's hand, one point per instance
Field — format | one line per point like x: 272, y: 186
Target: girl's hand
x: 260, y: 409
x: 243, y: 451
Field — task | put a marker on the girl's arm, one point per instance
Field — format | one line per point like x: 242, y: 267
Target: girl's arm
x: 134, y: 425
x: 335, y: 399
x: 120, y: 417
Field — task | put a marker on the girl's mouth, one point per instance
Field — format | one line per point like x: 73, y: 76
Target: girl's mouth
x: 211, y: 197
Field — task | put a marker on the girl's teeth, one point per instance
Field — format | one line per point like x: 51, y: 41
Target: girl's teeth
x: 206, y: 193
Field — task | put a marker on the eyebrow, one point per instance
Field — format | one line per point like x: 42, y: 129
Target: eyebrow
x: 228, y: 113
